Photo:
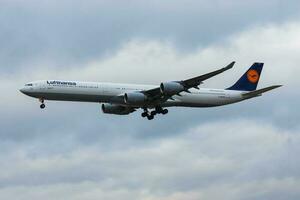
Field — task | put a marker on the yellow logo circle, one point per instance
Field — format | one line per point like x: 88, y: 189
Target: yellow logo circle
x: 253, y: 76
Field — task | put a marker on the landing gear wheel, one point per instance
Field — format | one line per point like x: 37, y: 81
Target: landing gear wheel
x: 158, y: 109
x: 150, y: 117
x: 42, y: 106
x: 145, y: 113
x: 153, y: 113
x: 164, y: 111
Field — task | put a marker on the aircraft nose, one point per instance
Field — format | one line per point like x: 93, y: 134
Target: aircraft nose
x: 23, y: 90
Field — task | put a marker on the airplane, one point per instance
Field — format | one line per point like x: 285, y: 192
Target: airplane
x: 123, y: 99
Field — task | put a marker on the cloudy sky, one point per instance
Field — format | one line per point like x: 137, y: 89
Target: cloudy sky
x: 248, y: 150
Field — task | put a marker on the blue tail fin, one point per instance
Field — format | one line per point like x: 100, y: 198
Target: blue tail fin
x: 248, y: 82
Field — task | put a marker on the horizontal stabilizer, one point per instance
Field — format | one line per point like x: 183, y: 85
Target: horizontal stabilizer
x: 260, y: 91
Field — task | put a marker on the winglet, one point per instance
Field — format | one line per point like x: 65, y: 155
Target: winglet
x: 260, y: 91
x: 229, y: 66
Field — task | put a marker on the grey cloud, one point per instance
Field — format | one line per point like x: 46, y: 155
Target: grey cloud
x: 69, y: 33
x: 73, y: 151
x: 195, y: 160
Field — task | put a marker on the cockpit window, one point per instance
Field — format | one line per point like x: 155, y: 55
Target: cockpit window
x: 29, y: 84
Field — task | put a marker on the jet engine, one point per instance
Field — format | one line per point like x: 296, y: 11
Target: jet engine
x: 116, y: 109
x: 135, y: 98
x: 171, y: 88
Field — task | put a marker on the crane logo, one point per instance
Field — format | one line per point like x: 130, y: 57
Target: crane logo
x: 253, y: 76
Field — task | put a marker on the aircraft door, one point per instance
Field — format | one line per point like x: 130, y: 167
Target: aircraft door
x: 42, y: 85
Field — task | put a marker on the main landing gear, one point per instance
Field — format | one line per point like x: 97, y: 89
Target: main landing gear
x: 42, y: 106
x: 150, y: 115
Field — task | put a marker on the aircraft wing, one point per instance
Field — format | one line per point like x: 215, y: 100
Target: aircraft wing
x: 184, y: 85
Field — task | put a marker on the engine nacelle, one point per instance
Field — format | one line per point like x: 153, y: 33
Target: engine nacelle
x: 135, y: 98
x: 116, y: 109
x: 171, y: 88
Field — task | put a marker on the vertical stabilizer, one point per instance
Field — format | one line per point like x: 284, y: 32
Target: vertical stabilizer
x: 249, y: 81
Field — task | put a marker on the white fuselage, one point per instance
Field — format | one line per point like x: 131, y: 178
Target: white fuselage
x: 112, y: 93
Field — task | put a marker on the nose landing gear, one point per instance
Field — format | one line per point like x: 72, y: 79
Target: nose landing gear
x: 42, y: 106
